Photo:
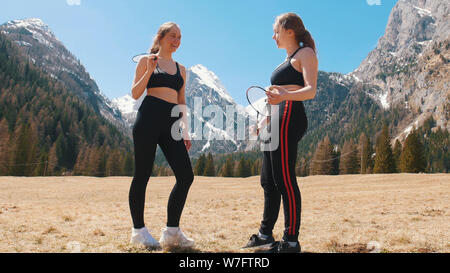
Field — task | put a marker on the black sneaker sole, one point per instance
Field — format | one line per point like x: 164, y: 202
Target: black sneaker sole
x: 257, y: 247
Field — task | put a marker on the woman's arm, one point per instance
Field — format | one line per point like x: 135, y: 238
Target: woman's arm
x: 307, y: 62
x: 182, y: 103
x: 182, y: 98
x: 144, y: 70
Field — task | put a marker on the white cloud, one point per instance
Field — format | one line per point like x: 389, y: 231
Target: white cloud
x: 73, y: 2
x: 374, y: 2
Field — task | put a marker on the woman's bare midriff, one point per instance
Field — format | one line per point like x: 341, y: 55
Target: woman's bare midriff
x: 164, y: 93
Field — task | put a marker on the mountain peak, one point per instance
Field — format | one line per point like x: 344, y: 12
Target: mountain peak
x: 208, y: 78
x: 402, y: 66
x: 28, y: 22
x: 412, y: 28
x: 34, y: 27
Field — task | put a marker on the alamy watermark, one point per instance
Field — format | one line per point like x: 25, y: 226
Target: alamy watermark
x: 211, y: 122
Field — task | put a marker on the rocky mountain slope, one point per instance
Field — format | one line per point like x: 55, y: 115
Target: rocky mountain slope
x: 410, y: 63
x: 43, y: 48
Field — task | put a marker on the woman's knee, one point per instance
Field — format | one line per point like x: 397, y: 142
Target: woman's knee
x: 268, y: 185
x: 281, y: 186
x: 189, y: 178
x: 186, y: 179
x: 141, y: 178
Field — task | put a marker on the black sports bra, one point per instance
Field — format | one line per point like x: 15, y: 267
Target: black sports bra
x: 161, y: 78
x: 285, y: 73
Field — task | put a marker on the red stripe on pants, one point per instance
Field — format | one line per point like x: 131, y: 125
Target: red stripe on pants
x: 291, y: 190
x: 283, y: 163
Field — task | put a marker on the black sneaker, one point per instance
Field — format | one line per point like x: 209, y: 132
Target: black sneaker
x: 284, y: 247
x: 256, y: 242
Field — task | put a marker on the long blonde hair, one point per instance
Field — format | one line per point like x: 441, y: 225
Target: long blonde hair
x: 162, y: 31
x: 294, y: 22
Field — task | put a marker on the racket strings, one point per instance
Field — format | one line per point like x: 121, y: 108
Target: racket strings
x: 257, y: 98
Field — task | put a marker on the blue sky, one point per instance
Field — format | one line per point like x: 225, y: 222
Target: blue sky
x: 231, y: 38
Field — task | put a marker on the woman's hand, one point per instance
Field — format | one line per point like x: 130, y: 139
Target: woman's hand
x: 276, y: 94
x: 186, y: 139
x: 152, y: 60
x: 188, y: 144
x: 256, y: 128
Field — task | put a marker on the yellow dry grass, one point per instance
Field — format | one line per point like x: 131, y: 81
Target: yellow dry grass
x: 402, y: 212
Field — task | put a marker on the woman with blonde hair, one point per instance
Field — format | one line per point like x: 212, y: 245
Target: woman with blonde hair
x: 164, y: 80
x: 293, y: 81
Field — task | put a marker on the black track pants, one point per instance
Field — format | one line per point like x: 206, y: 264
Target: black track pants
x: 278, y: 177
x: 153, y: 127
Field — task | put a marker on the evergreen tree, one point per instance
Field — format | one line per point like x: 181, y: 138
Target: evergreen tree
x: 52, y: 161
x: 257, y: 165
x: 209, y: 166
x: 24, y: 151
x: 412, y: 157
x: 61, y: 150
x: 244, y: 168
x: 155, y: 170
x: 249, y: 166
x: 301, y: 169
x: 384, y: 160
x: 79, y: 167
x: 371, y: 157
x: 41, y: 167
x: 322, y: 162
x: 103, y: 157
x: 228, y: 168
x: 349, y: 159
x: 4, y: 148
x: 343, y: 166
x: 397, y: 153
x: 335, y: 159
x: 365, y: 154
x: 114, y: 164
x: 93, y: 158
x: 200, y: 165
x: 164, y: 171
x: 128, y: 165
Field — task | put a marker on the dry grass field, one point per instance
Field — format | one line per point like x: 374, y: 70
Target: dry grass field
x: 402, y: 212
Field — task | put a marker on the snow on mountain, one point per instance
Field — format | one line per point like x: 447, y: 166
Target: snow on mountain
x: 39, y: 31
x: 210, y: 79
x: 128, y: 107
x: 202, y: 86
x: 28, y: 23
x: 410, y: 62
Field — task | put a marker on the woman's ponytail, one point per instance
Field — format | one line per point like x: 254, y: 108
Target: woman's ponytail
x: 294, y: 22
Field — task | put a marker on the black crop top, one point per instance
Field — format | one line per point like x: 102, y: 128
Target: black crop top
x: 161, y: 78
x: 285, y: 74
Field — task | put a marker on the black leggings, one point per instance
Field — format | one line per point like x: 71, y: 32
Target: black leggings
x: 278, y: 177
x: 153, y: 126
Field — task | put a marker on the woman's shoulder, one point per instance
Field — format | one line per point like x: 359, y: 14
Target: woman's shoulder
x: 182, y: 68
x: 305, y: 52
x: 303, y: 56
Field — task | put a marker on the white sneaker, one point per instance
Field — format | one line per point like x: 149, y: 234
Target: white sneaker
x: 141, y: 236
x: 174, y: 237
